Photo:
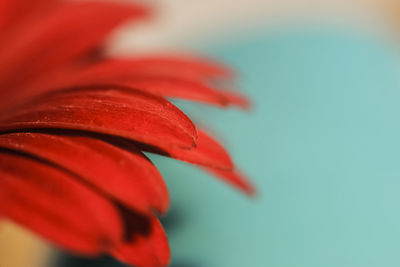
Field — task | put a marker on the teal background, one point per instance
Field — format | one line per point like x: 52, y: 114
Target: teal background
x: 322, y: 144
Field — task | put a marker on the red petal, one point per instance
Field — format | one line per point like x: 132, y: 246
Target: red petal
x: 152, y: 79
x: 12, y: 12
x: 128, y: 177
x: 234, y: 178
x: 131, y: 114
x: 236, y: 99
x: 55, y: 205
x: 157, y: 85
x: 69, y: 31
x: 179, y: 88
x: 165, y: 76
x: 174, y: 65
x: 148, y: 249
x: 147, y: 76
x: 207, y: 153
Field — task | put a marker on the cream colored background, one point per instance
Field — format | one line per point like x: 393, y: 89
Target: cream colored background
x: 180, y: 22
x: 20, y: 248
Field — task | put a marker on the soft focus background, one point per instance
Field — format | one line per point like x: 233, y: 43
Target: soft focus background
x: 321, y: 143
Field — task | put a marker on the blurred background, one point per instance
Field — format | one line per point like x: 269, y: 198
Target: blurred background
x: 321, y: 143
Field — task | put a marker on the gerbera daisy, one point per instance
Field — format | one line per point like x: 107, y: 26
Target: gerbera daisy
x: 74, y: 125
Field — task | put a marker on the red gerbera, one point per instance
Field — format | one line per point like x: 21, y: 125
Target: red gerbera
x: 74, y: 126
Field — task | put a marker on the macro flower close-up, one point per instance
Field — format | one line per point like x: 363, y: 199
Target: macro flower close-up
x: 75, y: 124
x: 212, y: 133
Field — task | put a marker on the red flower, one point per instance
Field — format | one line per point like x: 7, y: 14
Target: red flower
x: 74, y: 126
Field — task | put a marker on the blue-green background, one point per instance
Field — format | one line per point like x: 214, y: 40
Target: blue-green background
x: 322, y: 144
